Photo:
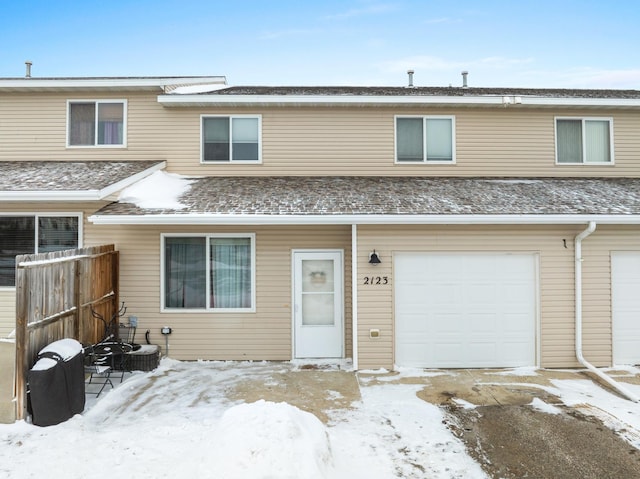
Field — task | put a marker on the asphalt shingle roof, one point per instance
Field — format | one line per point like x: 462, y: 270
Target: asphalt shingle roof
x: 47, y: 176
x: 424, y: 91
x: 286, y: 196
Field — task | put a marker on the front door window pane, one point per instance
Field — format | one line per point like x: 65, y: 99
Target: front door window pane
x: 318, y: 293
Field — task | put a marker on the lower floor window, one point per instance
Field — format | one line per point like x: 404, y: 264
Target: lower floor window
x: 33, y: 234
x: 208, y: 272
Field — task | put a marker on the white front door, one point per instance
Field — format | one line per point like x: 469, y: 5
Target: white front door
x: 318, y: 304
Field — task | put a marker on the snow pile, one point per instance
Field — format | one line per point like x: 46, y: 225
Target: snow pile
x: 266, y: 439
x: 542, y: 406
x: 161, y: 190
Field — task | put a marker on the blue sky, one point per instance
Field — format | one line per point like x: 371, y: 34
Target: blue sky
x: 517, y: 43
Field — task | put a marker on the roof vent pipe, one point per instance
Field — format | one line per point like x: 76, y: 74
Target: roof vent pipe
x: 410, y: 73
x: 464, y: 79
x: 28, y: 65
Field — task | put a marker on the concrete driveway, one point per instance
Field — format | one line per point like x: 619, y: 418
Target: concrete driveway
x: 516, y: 425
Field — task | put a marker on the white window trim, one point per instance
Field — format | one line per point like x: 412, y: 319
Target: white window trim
x: 231, y: 160
x: 424, y: 137
x: 583, y: 119
x: 97, y: 102
x: 38, y: 215
x: 208, y: 309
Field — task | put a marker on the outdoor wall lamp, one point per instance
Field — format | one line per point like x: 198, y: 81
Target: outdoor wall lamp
x: 374, y: 258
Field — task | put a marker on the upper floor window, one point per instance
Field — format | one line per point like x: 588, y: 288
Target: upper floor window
x: 231, y: 139
x: 425, y: 139
x: 584, y: 140
x: 33, y: 234
x: 209, y: 272
x: 96, y: 123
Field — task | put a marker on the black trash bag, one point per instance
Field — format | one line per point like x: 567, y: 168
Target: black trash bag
x: 56, y: 383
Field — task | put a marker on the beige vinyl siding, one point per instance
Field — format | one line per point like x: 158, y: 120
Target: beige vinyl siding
x: 492, y: 141
x: 556, y: 290
x: 7, y: 311
x: 263, y: 335
x: 597, y: 308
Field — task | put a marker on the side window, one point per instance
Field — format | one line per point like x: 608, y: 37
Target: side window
x: 425, y: 139
x: 33, y: 234
x: 208, y: 272
x: 228, y: 139
x: 584, y: 140
x: 98, y: 123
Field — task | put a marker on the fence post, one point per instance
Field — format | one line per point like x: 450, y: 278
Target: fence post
x: 78, y: 329
x: 22, y: 339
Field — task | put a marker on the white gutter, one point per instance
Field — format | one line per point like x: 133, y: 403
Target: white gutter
x: 578, y: 292
x: 371, y: 219
x: 329, y: 100
x: 509, y: 101
x: 354, y: 293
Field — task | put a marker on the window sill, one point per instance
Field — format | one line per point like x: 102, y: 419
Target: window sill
x: 207, y: 311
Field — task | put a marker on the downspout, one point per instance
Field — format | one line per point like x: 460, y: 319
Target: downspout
x: 578, y: 291
x: 354, y: 294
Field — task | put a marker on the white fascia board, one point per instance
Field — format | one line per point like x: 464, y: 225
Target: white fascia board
x: 509, y: 101
x: 327, y: 100
x: 256, y: 220
x: 159, y: 82
x: 79, y: 195
x: 602, y: 102
x: 62, y: 195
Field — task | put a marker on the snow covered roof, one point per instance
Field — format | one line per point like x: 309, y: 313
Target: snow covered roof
x: 346, y: 200
x: 70, y: 180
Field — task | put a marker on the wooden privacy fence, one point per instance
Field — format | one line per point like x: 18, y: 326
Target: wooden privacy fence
x: 55, y: 293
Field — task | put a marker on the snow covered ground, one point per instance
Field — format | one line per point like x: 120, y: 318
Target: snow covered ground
x: 178, y: 422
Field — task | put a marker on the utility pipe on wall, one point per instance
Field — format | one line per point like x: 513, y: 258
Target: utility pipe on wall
x: 354, y: 293
x: 578, y: 292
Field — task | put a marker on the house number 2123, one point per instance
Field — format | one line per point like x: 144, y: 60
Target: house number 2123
x: 375, y: 280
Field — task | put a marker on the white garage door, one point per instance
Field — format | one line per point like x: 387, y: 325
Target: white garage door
x: 625, y: 302
x: 465, y: 310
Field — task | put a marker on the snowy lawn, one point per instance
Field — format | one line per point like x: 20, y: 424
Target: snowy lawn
x: 178, y: 421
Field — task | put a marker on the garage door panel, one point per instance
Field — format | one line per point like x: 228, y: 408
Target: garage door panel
x: 479, y: 294
x: 467, y: 310
x: 625, y: 302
